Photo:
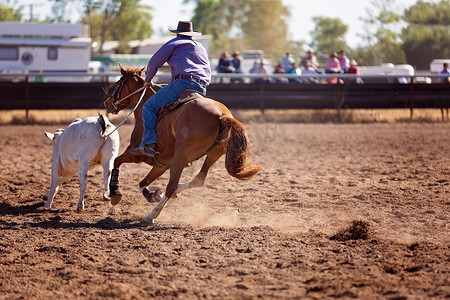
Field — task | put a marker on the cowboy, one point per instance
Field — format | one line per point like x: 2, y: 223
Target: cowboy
x: 189, y: 64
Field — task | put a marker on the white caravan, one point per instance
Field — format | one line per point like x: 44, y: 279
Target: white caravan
x: 40, y: 48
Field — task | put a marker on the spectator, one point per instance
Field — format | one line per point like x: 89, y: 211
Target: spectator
x: 236, y: 62
x: 280, y: 70
x: 225, y: 64
x: 333, y: 67
x: 311, y: 58
x: 353, y: 69
x: 308, y: 69
x: 344, y: 61
x: 287, y: 61
x: 296, y: 71
x: 445, y: 71
x: 253, y: 69
x: 260, y: 69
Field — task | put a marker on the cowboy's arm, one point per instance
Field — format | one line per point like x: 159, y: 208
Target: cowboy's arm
x: 157, y: 60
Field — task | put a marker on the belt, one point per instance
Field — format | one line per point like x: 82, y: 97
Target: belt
x: 189, y: 77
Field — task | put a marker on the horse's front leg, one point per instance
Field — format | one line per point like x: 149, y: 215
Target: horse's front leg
x: 175, y: 174
x: 114, y: 192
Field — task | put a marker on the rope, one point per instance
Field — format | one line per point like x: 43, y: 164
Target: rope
x: 132, y: 111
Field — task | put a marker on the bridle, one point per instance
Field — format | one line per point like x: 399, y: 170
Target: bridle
x: 118, y: 90
x: 115, y: 102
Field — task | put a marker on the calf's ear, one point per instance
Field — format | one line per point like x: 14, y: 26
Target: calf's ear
x: 49, y: 135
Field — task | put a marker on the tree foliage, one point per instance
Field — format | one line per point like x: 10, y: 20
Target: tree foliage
x: 264, y: 26
x: 427, y: 35
x: 328, y: 35
x: 243, y: 24
x: 214, y: 17
x: 383, y: 44
x: 9, y: 13
x: 119, y: 20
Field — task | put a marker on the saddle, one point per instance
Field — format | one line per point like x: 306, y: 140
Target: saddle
x: 183, y: 97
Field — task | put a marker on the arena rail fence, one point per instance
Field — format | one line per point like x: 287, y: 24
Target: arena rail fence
x: 89, y: 95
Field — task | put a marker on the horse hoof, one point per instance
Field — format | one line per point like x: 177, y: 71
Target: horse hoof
x: 115, y: 198
x: 150, y: 196
x: 106, y: 197
x: 148, y: 221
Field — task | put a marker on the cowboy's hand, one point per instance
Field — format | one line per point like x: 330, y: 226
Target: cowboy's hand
x: 148, y: 84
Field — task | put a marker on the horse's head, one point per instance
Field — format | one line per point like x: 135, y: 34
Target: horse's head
x: 130, y: 81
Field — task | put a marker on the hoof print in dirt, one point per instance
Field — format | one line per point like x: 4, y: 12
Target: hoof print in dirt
x: 358, y: 230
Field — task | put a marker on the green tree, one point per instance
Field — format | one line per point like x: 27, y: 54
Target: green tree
x: 383, y: 44
x: 120, y: 20
x: 9, y: 13
x: 427, y: 35
x: 243, y: 24
x: 329, y: 35
x: 213, y: 17
x: 264, y: 26
x: 59, y: 14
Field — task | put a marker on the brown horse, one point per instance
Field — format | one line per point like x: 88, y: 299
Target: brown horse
x: 200, y: 127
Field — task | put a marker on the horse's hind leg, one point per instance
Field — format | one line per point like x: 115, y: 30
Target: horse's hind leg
x: 199, y: 179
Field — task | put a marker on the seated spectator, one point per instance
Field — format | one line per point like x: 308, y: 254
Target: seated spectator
x: 294, y: 70
x: 333, y: 66
x: 308, y: 69
x: 225, y: 64
x: 353, y: 69
x: 253, y: 68
x: 311, y: 58
x: 280, y: 70
x: 445, y: 71
x: 236, y: 62
x: 344, y: 61
x: 287, y: 61
x: 260, y: 69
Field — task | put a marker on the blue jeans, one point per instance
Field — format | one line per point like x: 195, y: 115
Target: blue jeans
x: 166, y: 95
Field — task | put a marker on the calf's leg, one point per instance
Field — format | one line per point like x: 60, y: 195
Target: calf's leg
x: 83, y: 184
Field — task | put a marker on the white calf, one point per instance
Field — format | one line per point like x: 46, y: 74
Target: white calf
x: 82, y: 145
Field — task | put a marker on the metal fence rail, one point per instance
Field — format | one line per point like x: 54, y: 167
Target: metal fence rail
x: 24, y: 95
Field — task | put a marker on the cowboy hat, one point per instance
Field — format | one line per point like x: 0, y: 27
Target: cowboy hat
x: 185, y: 28
x: 353, y: 62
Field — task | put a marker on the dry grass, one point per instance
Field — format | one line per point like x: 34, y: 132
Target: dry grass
x: 346, y: 116
x: 289, y: 115
x: 56, y: 117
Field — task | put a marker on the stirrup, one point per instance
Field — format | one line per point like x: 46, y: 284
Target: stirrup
x: 141, y: 151
x: 137, y: 151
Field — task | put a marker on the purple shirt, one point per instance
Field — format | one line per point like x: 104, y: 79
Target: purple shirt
x: 184, y: 56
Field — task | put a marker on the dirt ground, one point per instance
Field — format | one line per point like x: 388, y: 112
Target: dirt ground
x: 270, y: 237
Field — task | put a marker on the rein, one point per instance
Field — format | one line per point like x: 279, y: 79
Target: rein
x: 119, y: 89
x: 132, y: 111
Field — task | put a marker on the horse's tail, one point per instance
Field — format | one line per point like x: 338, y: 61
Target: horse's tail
x: 237, y: 150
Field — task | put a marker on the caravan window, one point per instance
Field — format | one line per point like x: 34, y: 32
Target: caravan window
x: 9, y: 53
x: 52, y: 53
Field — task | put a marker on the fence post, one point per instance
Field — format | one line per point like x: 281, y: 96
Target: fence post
x: 261, y: 97
x: 27, y: 98
x: 411, y: 99
x: 339, y: 100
